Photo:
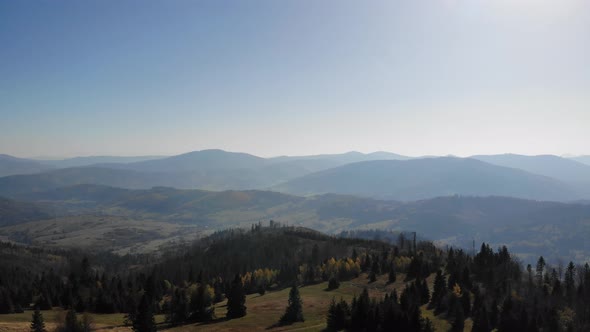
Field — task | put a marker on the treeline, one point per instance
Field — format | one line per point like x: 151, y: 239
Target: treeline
x: 495, y: 292
x: 186, y: 284
x: 388, y: 314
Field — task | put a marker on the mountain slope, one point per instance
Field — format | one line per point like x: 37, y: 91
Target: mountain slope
x: 534, y: 227
x: 89, y: 161
x: 582, y: 159
x: 18, y: 184
x: 562, y: 169
x: 198, y: 160
x: 429, y: 177
x: 10, y: 165
x: 13, y: 212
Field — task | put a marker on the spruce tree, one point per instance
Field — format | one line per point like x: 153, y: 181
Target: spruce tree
x: 392, y: 276
x: 37, y: 323
x: 236, y: 299
x: 481, y: 323
x: 71, y: 323
x: 294, y: 311
x: 427, y: 326
x: 332, y: 320
x: 440, y: 289
x: 144, y: 319
x: 459, y: 322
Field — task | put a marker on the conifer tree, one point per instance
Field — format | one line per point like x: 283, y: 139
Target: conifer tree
x: 427, y: 326
x: 294, y: 311
x: 332, y: 320
x: 236, y: 299
x: 144, y: 320
x: 37, y: 323
x: 481, y: 322
x: 392, y: 276
x: 459, y: 322
x: 440, y: 289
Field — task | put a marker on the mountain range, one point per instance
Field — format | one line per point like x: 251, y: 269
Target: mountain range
x: 378, y: 175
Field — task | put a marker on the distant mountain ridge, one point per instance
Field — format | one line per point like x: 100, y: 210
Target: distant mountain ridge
x: 563, y: 169
x: 429, y: 177
x: 582, y: 159
x: 206, y: 169
x: 378, y: 174
x: 10, y: 165
x: 94, y: 160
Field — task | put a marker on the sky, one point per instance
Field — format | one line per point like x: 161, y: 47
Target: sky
x: 415, y: 77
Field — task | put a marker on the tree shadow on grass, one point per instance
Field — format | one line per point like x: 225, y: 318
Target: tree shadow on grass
x: 279, y: 324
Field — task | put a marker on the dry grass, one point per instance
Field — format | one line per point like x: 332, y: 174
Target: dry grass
x: 262, y: 314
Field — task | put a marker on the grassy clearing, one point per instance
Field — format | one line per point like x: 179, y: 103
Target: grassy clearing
x: 262, y: 314
x: 102, y: 322
x: 264, y: 311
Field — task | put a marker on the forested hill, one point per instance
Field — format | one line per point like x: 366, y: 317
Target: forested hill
x: 531, y: 228
x: 14, y: 212
x: 240, y: 279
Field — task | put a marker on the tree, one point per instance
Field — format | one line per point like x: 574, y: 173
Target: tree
x: 37, y: 323
x: 236, y: 299
x: 481, y: 323
x: 540, y: 269
x: 71, y: 323
x: 569, y: 280
x: 459, y: 322
x: 294, y: 311
x: 333, y: 283
x: 427, y: 327
x: 144, y: 319
x: 392, y: 276
x: 439, y: 291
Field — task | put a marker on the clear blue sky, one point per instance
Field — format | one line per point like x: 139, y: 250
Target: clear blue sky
x: 294, y: 77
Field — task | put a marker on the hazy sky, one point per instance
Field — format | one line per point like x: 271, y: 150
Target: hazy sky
x: 294, y: 77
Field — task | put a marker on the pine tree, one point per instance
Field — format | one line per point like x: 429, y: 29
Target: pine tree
x: 144, y: 320
x: 37, y: 324
x: 481, y: 322
x: 459, y: 322
x: 236, y: 299
x: 440, y: 289
x: 332, y: 320
x: 71, y: 323
x: 294, y: 311
x: 392, y: 276
x: 427, y: 326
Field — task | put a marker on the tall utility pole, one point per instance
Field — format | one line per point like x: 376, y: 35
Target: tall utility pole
x: 414, y: 243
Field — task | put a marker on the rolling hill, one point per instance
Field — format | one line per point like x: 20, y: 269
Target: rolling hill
x: 207, y: 169
x: 566, y: 170
x: 429, y: 177
x: 14, y: 212
x: 531, y: 227
x: 17, y: 184
x: 197, y: 160
x: 10, y: 165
